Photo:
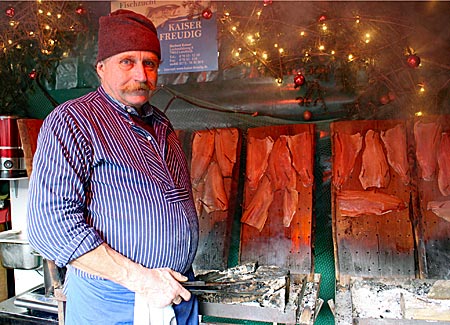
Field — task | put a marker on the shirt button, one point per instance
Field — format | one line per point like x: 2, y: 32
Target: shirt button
x: 129, y: 110
x: 149, y: 138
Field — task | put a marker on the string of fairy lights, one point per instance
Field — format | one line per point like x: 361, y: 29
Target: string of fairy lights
x: 370, y: 56
x: 40, y: 23
x: 350, y: 47
x: 34, y: 37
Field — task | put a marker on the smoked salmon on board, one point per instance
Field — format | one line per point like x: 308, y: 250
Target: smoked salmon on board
x: 302, y: 160
x: 281, y: 173
x: 394, y: 140
x: 440, y: 208
x: 202, y: 153
x: 225, y: 142
x: 282, y: 236
x: 374, y: 168
x: 431, y: 203
x: 372, y: 229
x: 346, y: 150
x: 256, y: 212
x: 214, y: 157
x: 427, y: 136
x: 369, y: 202
x: 258, y: 151
x: 214, y: 197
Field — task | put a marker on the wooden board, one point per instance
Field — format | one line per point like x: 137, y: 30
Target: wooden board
x: 215, y: 227
x: 29, y: 130
x: 289, y: 247
x: 433, y: 232
x: 372, y: 245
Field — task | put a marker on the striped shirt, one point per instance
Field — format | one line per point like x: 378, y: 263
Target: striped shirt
x: 100, y: 177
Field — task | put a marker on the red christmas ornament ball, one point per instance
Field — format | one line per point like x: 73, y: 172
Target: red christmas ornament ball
x: 267, y: 2
x: 413, y: 61
x: 322, y: 18
x: 32, y: 75
x: 10, y: 12
x: 80, y: 10
x: 207, y: 13
x: 299, y: 80
x: 384, y: 99
x: 307, y: 115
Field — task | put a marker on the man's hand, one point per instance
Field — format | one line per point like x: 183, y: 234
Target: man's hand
x: 160, y: 287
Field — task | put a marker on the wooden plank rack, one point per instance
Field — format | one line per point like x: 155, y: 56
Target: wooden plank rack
x: 283, y: 239
x: 392, y: 252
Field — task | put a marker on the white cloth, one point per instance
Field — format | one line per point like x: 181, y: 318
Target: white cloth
x: 146, y: 315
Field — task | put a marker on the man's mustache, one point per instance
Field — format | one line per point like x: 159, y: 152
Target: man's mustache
x: 138, y: 87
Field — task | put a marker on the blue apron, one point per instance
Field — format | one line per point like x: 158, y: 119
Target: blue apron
x: 103, y: 302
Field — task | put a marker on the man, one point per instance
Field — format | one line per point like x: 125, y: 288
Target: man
x: 110, y: 194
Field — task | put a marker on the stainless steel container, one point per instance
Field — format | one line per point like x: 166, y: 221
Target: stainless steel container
x: 16, y: 252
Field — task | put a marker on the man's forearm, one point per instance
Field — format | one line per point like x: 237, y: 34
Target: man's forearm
x: 106, y: 263
x: 161, y: 287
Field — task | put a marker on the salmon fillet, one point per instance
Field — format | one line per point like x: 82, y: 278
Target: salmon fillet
x: 214, y: 196
x: 256, y: 212
x: 427, y: 136
x: 258, y: 151
x: 394, y: 140
x: 300, y: 146
x: 202, y: 153
x: 440, y: 208
x: 374, y: 168
x: 226, y: 141
x: 443, y: 159
x: 356, y: 203
x: 280, y: 170
x: 346, y: 148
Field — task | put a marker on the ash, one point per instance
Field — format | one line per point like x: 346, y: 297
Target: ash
x: 394, y: 299
x: 250, y: 284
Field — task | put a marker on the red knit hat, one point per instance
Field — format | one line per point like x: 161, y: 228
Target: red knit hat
x: 126, y: 30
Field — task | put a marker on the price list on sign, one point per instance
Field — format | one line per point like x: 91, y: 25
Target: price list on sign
x: 183, y: 55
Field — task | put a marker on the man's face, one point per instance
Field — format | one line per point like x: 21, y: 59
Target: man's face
x: 129, y: 77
